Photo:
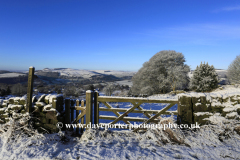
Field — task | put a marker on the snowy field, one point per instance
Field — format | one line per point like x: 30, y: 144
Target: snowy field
x: 10, y: 75
x: 209, y: 142
x: 88, y: 73
x: 125, y: 82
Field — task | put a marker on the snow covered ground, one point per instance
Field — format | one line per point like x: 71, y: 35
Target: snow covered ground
x: 224, y: 90
x: 10, y: 75
x: 88, y: 73
x: 209, y: 142
x: 104, y: 144
x: 125, y: 82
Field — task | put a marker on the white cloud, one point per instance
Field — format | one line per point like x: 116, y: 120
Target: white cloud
x: 210, y: 30
x: 228, y: 9
x: 197, y: 34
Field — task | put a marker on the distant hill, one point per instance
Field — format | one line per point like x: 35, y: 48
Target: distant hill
x: 3, y: 71
x: 12, y: 77
x: 85, y: 73
x: 65, y: 75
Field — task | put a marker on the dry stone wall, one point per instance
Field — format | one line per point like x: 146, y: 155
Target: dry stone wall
x: 10, y: 107
x: 208, y: 107
x: 47, y: 112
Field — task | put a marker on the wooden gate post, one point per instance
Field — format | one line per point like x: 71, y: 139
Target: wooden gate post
x: 82, y: 119
x: 30, y: 90
x: 88, y: 108
x: 77, y: 113
x: 72, y: 110
x: 185, y: 110
x: 96, y: 108
x: 67, y: 111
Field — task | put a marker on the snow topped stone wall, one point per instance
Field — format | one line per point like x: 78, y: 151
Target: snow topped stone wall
x: 11, y: 106
x: 208, y: 107
x: 47, y: 111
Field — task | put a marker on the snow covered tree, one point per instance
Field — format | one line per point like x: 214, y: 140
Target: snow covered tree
x: 233, y: 71
x: 164, y: 72
x: 204, y: 78
x: 109, y: 89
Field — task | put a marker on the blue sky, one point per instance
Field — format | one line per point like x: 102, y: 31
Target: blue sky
x: 116, y: 34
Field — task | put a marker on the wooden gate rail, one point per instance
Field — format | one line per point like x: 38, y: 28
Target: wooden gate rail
x: 135, y: 111
x: 155, y: 116
x: 110, y: 108
x: 78, y: 108
x: 136, y: 105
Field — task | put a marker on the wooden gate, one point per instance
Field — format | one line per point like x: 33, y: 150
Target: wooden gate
x: 92, y: 113
x: 136, y: 102
x: 86, y: 111
x: 80, y: 116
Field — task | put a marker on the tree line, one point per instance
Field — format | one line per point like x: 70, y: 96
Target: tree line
x: 166, y: 71
x: 15, y: 89
x: 70, y: 89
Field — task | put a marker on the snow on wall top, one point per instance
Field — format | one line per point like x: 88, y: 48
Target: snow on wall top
x: 24, y: 98
x: 203, y: 113
x: 41, y: 97
x: 227, y: 91
x: 51, y: 96
x: 17, y: 98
